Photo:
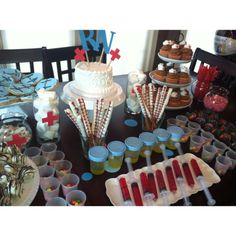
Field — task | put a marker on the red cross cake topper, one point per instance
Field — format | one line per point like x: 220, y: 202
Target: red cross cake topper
x: 50, y: 118
x: 17, y: 140
x: 79, y: 54
x: 115, y: 54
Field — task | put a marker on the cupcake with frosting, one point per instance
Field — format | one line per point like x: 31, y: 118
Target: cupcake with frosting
x: 174, y: 100
x: 186, y: 52
x: 166, y: 48
x: 175, y: 52
x: 172, y: 76
x: 160, y: 73
x: 184, y: 77
x: 184, y: 97
x: 182, y: 44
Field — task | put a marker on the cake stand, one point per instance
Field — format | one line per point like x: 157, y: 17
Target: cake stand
x: 173, y: 62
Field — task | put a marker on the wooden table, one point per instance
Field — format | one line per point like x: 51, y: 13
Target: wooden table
x: 224, y: 192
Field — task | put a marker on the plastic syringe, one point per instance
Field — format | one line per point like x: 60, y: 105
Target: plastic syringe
x: 168, y: 169
x: 201, y: 182
x: 148, y: 196
x: 134, y: 185
x: 125, y: 192
x: 150, y: 175
x: 186, y: 169
x: 180, y: 181
x: 162, y: 187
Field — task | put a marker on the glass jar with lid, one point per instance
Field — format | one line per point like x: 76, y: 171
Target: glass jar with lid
x: 116, y: 155
x: 14, y: 129
x: 162, y: 136
x: 149, y: 140
x: 133, y: 148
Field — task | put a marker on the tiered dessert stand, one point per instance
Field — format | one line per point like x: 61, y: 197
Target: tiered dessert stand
x: 172, y: 62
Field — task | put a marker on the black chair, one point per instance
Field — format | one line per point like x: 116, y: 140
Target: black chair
x: 58, y: 55
x: 18, y: 56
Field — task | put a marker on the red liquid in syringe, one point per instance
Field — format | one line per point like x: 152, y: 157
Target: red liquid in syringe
x: 188, y: 174
x: 152, y: 184
x: 124, y: 189
x: 170, y: 179
x: 177, y: 169
x: 196, y: 168
x: 145, y: 184
x: 160, y: 181
x: 136, y: 194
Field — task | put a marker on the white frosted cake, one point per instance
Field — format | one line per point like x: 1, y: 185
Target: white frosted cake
x: 93, y: 80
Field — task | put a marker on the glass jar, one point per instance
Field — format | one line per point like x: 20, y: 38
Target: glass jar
x: 46, y: 113
x: 133, y: 147
x: 175, y: 136
x: 116, y: 155
x: 216, y: 99
x: 148, y: 139
x: 14, y: 130
x: 132, y: 105
x: 162, y: 136
x: 97, y: 156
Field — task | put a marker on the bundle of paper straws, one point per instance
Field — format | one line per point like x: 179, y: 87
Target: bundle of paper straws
x: 101, y: 117
x: 153, y: 102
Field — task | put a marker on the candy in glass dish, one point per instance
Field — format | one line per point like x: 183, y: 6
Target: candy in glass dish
x: 216, y: 99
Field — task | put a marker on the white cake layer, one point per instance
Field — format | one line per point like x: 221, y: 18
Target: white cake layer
x: 94, y: 78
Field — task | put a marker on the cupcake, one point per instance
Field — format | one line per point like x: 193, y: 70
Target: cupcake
x: 172, y: 77
x: 175, y: 52
x: 166, y: 48
x: 184, y: 77
x: 184, y: 97
x: 182, y: 43
x: 160, y: 73
x: 186, y: 52
x: 174, y: 100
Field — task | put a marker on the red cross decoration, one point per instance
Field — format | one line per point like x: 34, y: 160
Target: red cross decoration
x: 79, y: 54
x: 17, y: 140
x: 50, y: 118
x: 115, y: 54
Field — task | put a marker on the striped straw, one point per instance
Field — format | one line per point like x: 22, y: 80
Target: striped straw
x: 150, y: 86
x: 136, y: 86
x: 157, y: 102
x: 161, y: 101
x: 95, y: 114
x: 99, y: 116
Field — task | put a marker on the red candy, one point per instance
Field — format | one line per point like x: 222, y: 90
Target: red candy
x: 215, y: 103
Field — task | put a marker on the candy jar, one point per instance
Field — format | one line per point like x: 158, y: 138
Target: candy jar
x: 132, y: 104
x: 14, y: 130
x: 46, y: 113
x: 216, y: 99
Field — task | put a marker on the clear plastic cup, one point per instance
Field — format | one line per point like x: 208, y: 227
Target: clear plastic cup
x: 232, y: 155
x: 40, y: 161
x: 56, y: 156
x: 181, y: 120
x: 186, y: 135
x: 48, y: 149
x: 196, y: 143
x: 63, y: 168
x: 76, y: 198
x: 46, y: 172
x: 222, y: 164
x: 32, y: 152
x: 221, y: 147
x: 208, y: 153
x: 50, y: 187
x: 56, y: 201
x: 194, y: 127
x: 171, y: 121
x: 208, y: 137
x: 69, y: 182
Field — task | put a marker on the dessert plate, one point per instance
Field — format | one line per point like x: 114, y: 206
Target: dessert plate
x: 180, y: 107
x: 155, y: 81
x: 166, y: 59
x: 114, y: 193
x: 30, y: 186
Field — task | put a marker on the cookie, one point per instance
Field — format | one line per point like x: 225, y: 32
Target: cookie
x: 5, y: 80
x: 14, y: 73
x: 47, y: 84
x: 31, y: 79
x: 19, y: 90
x: 3, y: 91
x: 8, y: 100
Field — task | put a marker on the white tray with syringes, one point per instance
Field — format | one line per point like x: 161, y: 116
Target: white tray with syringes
x: 114, y: 193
